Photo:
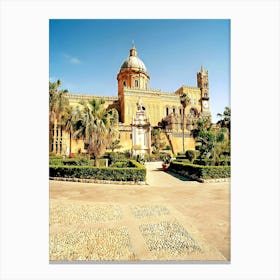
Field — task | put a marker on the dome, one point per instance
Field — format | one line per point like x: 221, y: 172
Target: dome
x: 133, y: 61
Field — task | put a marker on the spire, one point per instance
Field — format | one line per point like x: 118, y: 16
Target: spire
x: 133, y: 51
x: 202, y: 69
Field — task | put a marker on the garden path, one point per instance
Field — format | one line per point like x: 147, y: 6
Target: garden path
x: 158, y: 178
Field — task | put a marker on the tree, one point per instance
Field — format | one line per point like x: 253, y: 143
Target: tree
x: 96, y: 126
x: 57, y: 101
x: 68, y: 119
x: 212, y: 142
x: 225, y: 118
x: 184, y: 100
x: 158, y: 142
x: 115, y: 145
x: 58, y: 104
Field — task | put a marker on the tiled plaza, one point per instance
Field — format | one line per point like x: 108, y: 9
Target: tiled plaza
x: 154, y: 222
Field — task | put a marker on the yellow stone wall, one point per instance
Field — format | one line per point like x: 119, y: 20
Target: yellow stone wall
x: 177, y: 143
x: 125, y: 137
x: 156, y: 103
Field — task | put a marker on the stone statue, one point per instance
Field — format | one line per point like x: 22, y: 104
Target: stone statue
x: 140, y: 105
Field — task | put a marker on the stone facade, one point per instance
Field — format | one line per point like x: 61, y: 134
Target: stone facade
x: 133, y: 84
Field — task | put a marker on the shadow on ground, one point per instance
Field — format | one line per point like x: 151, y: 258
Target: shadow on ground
x: 178, y: 176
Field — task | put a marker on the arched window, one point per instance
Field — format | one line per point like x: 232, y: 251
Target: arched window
x: 124, y: 83
x: 167, y: 111
x: 193, y: 112
x: 174, y: 110
x: 136, y: 83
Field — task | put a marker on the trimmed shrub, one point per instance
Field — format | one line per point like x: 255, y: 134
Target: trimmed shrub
x: 211, y: 162
x: 101, y: 162
x: 184, y: 160
x: 135, y: 173
x: 55, y: 157
x: 76, y: 161
x: 199, y: 171
x: 204, y: 162
x: 122, y: 164
x: 191, y: 155
x: 162, y: 156
x: 55, y: 161
x: 114, y: 157
x: 140, y: 159
x: 181, y: 157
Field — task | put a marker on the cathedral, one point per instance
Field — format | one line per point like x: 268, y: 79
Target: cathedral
x: 158, y: 108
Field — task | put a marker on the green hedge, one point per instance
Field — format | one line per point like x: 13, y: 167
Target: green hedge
x: 136, y: 173
x: 184, y: 160
x: 55, y: 161
x: 76, y: 161
x: 211, y: 162
x: 122, y: 164
x: 199, y: 171
x: 181, y: 156
x: 191, y: 155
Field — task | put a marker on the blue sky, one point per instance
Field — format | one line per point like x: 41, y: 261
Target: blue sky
x: 86, y: 55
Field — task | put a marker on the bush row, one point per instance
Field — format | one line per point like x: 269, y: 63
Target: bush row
x: 76, y: 161
x: 135, y: 173
x: 212, y: 162
x: 122, y: 164
x: 199, y: 171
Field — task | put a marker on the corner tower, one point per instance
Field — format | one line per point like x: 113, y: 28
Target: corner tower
x: 202, y: 83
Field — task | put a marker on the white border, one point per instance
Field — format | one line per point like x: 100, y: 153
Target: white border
x: 255, y: 129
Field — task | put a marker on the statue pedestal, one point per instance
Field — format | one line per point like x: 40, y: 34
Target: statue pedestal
x: 141, y: 132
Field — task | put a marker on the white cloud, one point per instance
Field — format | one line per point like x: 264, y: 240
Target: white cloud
x: 72, y: 59
x: 75, y: 60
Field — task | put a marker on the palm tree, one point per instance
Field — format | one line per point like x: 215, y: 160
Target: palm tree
x: 67, y: 120
x: 97, y: 126
x: 57, y: 101
x: 57, y: 105
x: 185, y: 101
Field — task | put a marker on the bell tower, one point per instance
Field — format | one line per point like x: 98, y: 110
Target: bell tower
x: 202, y: 83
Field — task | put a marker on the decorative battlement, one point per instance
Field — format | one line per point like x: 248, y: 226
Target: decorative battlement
x: 191, y: 87
x: 90, y: 96
x: 148, y: 91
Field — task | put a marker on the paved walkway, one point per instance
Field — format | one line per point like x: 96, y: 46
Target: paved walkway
x: 171, y: 218
x: 156, y: 177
